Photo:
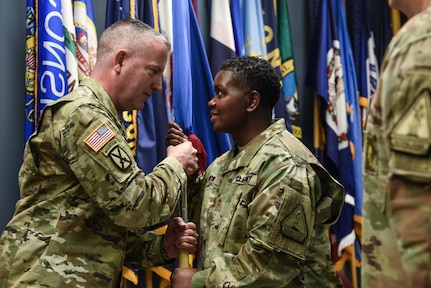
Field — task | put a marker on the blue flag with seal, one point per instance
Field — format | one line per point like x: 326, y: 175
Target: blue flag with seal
x: 364, y: 54
x: 348, y: 226
x: 325, y: 76
x: 30, y: 69
x: 51, y: 69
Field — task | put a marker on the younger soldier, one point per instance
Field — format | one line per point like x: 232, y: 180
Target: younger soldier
x: 262, y: 207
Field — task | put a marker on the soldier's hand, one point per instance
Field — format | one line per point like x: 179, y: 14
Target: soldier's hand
x: 186, y: 154
x: 175, y: 135
x: 180, y: 235
x: 182, y: 277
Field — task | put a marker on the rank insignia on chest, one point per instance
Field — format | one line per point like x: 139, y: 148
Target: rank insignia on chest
x: 99, y: 137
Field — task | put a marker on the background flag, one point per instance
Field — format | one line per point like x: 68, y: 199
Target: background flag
x: 288, y: 74
x: 348, y: 241
x: 235, y: 12
x: 222, y: 41
x: 192, y: 81
x: 51, y: 56
x: 86, y: 36
x: 273, y: 55
x: 325, y: 76
x: 254, y: 33
x: 381, y: 24
x: 30, y: 69
x: 52, y: 71
x: 363, y: 47
x: 69, y: 44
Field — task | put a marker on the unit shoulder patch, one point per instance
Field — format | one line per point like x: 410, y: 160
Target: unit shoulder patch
x: 412, y: 133
x: 120, y: 158
x: 291, y: 230
x: 294, y: 226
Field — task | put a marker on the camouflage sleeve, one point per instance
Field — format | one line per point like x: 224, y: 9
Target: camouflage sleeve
x: 95, y: 149
x: 194, y: 202
x: 146, y: 250
x: 406, y: 106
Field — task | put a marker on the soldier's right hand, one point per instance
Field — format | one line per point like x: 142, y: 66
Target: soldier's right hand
x: 186, y: 154
x: 175, y: 135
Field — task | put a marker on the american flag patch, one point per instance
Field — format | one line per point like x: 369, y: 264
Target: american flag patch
x: 99, y: 137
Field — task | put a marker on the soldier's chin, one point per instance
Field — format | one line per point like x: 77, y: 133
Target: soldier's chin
x: 216, y: 128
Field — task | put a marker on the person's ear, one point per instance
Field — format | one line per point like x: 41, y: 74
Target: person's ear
x: 120, y: 56
x: 253, y: 101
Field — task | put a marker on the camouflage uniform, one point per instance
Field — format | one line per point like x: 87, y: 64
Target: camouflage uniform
x: 264, y: 214
x: 397, y: 164
x: 81, y: 196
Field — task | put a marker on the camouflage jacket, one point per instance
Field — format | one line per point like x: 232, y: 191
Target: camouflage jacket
x: 82, y: 195
x: 265, y: 208
x: 399, y: 123
x: 397, y: 148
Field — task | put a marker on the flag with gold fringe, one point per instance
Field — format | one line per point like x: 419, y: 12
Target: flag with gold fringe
x: 325, y: 76
x: 51, y: 62
x: 349, y: 241
x: 269, y: 16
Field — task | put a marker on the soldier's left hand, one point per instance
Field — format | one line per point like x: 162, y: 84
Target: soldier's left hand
x: 180, y: 235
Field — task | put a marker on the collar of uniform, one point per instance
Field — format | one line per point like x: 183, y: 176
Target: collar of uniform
x: 100, y: 95
x: 243, y: 156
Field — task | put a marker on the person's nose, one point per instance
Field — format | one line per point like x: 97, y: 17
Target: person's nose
x: 157, y: 84
x: 211, y: 103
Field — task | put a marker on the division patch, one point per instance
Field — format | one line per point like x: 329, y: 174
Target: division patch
x: 120, y: 158
x: 294, y: 226
x: 412, y: 134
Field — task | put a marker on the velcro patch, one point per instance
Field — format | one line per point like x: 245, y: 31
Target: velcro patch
x: 412, y: 134
x: 294, y: 226
x: 99, y: 137
x: 370, y: 161
x: 120, y: 158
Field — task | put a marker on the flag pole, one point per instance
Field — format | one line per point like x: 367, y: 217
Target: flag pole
x: 183, y: 255
x: 353, y: 267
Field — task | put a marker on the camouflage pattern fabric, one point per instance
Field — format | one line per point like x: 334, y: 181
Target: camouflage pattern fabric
x: 265, y: 208
x: 84, y: 201
x: 396, y: 228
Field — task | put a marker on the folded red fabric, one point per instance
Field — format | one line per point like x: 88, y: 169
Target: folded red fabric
x: 202, y: 154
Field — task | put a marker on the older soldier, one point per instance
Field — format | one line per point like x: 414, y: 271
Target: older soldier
x: 84, y: 202
x: 396, y: 225
x: 264, y: 205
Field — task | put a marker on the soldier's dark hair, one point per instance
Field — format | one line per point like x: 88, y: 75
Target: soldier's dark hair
x: 255, y: 74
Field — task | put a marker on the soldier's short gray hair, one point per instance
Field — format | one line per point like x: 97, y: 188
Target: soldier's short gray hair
x: 131, y: 33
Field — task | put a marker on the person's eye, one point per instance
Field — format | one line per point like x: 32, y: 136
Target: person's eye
x: 219, y: 93
x: 152, y: 71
